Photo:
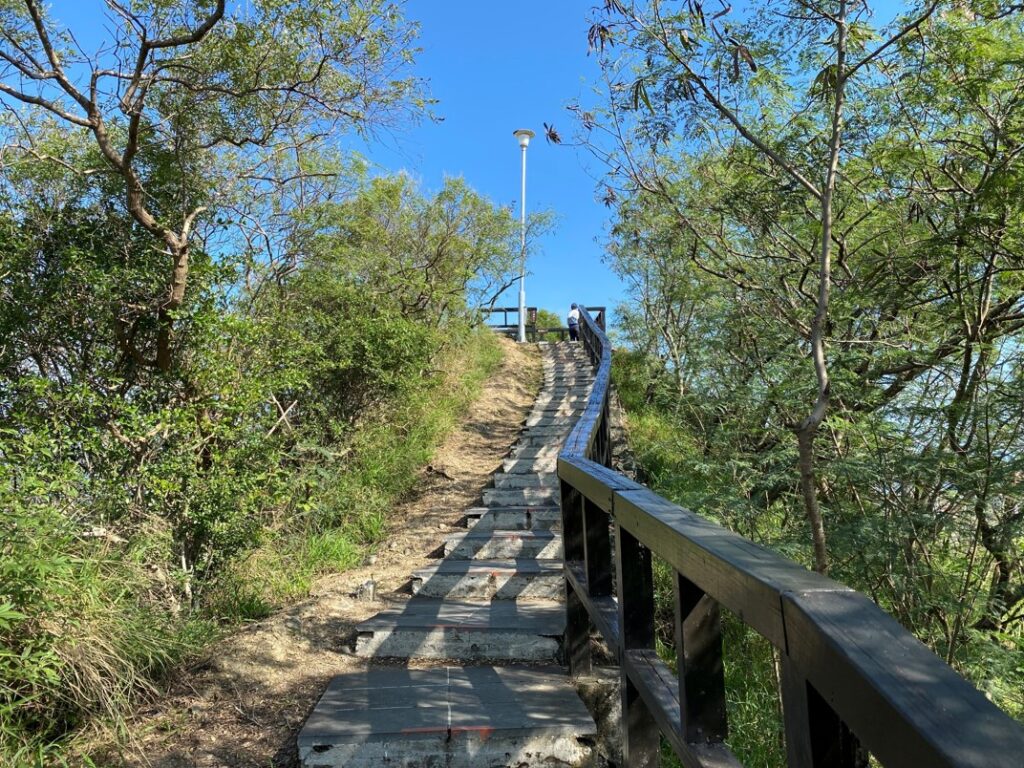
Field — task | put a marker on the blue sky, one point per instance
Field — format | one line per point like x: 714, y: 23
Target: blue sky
x: 495, y: 67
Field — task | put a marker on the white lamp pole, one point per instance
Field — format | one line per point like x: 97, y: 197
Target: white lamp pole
x: 524, y: 135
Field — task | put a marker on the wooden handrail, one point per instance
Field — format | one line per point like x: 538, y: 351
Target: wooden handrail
x: 853, y: 680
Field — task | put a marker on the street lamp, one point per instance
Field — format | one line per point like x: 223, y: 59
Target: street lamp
x: 524, y: 135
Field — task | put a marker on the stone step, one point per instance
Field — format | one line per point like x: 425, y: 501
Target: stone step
x: 564, y: 388
x: 555, y: 436
x: 569, y: 401
x: 534, y: 452
x: 521, y: 480
x: 524, y: 466
x: 428, y: 628
x: 541, y: 441
x: 549, y: 429
x: 538, y: 441
x: 472, y: 717
x: 572, y: 414
x: 558, y: 410
x: 559, y: 400
x: 542, y: 403
x: 571, y: 374
x: 567, y: 427
x: 567, y: 379
x: 521, y: 518
x: 543, y: 419
x: 491, y: 579
x: 573, y: 397
x: 487, y: 544
x: 521, y: 497
x: 563, y: 393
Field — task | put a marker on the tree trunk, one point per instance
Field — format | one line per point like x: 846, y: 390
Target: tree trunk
x: 805, y: 440
x: 175, y: 298
x: 1003, y: 594
x: 808, y: 428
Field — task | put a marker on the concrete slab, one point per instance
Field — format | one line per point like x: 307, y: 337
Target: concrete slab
x: 545, y: 401
x: 529, y: 616
x: 525, y: 480
x: 562, y: 388
x: 548, y: 430
x: 504, y: 630
x: 491, y: 579
x: 572, y: 410
x: 534, y: 452
x: 557, y: 410
x: 521, y: 497
x: 553, y: 407
x: 523, y: 517
x: 521, y: 466
x: 473, y: 717
x: 553, y: 438
x: 483, y: 544
x: 547, y: 420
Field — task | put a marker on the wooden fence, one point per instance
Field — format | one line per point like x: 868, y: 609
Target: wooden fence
x: 533, y: 332
x: 854, y: 682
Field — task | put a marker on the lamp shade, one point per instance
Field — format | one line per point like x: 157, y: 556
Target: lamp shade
x: 524, y: 135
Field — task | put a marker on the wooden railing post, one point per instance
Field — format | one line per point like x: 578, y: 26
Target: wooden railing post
x: 577, y: 627
x: 604, y: 443
x: 598, y: 550
x: 815, y: 735
x: 641, y: 741
x: 699, y: 660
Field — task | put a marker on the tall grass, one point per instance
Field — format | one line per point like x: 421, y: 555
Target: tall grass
x: 85, y: 645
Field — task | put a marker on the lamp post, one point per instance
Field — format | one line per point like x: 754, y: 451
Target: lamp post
x: 524, y: 135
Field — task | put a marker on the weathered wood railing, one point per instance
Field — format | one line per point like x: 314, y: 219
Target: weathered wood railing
x: 533, y: 331
x: 854, y: 682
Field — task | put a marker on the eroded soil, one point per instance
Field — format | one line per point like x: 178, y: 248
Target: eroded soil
x: 243, y: 703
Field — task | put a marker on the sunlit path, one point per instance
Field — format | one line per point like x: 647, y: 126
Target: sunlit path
x: 493, y: 602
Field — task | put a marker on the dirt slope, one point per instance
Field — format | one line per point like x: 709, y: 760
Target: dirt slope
x: 243, y: 704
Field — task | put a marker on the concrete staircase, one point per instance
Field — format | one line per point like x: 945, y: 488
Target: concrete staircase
x: 492, y: 603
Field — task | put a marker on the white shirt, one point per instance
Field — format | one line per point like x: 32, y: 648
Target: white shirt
x: 574, y: 316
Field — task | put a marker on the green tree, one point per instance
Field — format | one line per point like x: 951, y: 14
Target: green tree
x: 300, y: 405
x: 546, y: 319
x: 916, y: 459
x: 686, y: 59
x: 197, y: 108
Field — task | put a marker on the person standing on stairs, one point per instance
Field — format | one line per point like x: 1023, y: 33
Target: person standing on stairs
x: 574, y: 323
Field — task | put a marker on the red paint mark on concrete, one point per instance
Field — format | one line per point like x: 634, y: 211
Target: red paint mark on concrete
x: 484, y: 731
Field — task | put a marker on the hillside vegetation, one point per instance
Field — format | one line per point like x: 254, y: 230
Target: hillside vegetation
x: 225, y: 348
x: 818, y: 215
